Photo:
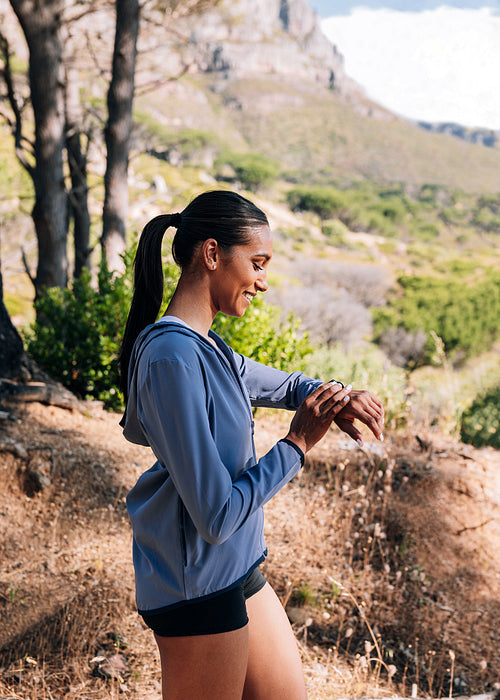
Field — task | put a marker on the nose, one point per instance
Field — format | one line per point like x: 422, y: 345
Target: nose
x: 261, y: 282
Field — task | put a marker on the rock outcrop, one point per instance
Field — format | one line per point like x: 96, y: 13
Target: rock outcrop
x: 245, y: 37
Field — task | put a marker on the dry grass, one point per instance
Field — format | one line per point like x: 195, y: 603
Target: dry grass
x: 387, y: 560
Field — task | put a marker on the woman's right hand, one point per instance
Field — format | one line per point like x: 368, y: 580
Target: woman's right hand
x: 316, y: 413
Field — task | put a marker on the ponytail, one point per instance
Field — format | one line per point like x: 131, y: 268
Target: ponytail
x: 225, y: 216
x: 148, y: 287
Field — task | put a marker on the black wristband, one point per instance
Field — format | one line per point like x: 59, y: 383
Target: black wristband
x: 296, y: 448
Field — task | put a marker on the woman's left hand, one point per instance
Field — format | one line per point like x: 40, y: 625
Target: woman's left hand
x: 366, y: 408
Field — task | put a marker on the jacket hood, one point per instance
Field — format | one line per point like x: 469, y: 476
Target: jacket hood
x: 132, y: 429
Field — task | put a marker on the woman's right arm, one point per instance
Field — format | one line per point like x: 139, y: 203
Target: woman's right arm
x: 177, y: 425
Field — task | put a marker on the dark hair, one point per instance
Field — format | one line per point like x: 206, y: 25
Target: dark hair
x: 226, y: 217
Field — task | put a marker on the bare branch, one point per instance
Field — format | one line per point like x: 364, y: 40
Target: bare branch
x: 27, y: 267
x: 155, y: 84
x: 17, y: 109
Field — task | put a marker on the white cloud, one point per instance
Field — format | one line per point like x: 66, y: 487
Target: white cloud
x: 435, y: 65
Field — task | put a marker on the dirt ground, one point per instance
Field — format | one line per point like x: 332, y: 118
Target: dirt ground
x: 387, y: 560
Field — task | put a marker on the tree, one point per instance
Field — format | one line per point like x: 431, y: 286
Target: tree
x: 118, y: 131
x: 77, y: 166
x: 41, y: 24
x: 11, y: 345
x: 57, y: 141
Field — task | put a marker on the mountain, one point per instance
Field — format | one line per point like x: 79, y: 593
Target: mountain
x: 239, y: 38
x: 485, y: 137
x: 259, y: 75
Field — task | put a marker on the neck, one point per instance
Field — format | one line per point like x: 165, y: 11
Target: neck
x: 191, y: 303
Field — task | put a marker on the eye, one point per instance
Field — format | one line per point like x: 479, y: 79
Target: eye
x: 258, y: 267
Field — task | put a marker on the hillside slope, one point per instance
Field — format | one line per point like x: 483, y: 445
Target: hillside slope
x: 317, y: 134
x: 261, y: 76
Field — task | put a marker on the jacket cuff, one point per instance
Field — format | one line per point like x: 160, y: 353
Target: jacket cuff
x: 296, y: 448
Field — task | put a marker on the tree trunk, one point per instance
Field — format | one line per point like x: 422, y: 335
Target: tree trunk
x: 11, y: 345
x: 118, y: 132
x: 41, y: 23
x: 77, y: 163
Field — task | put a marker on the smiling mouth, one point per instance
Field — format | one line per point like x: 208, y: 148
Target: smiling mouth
x: 248, y: 296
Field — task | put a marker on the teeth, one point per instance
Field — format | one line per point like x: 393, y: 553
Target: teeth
x: 247, y: 296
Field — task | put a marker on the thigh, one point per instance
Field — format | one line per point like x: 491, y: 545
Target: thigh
x: 204, y: 667
x: 274, y: 667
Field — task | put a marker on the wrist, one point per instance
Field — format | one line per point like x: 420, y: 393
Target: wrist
x: 297, y: 441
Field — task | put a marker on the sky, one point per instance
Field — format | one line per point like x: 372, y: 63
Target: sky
x: 429, y: 61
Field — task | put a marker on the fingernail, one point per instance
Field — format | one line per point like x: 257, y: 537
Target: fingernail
x: 348, y: 387
x: 360, y: 442
x: 346, y: 398
x: 381, y: 437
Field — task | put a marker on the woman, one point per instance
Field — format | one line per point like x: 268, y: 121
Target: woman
x: 197, y: 513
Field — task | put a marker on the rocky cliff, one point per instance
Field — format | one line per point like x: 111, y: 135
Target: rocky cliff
x: 258, y: 37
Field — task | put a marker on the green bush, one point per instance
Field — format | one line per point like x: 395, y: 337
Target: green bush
x: 77, y: 334
x: 336, y: 232
x: 261, y: 335
x: 465, y: 316
x: 326, y: 202
x: 251, y: 169
x: 480, y: 425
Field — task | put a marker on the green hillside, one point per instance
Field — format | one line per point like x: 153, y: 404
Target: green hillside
x: 319, y: 136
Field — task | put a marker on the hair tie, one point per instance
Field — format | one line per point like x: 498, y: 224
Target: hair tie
x: 176, y: 220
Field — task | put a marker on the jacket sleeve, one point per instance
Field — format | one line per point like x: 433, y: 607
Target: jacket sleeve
x: 176, y: 423
x: 274, y: 388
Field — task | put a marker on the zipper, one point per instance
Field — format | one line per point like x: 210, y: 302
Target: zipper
x: 182, y: 532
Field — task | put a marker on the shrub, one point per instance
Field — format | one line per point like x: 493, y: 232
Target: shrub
x: 329, y: 315
x: 403, y: 348
x: 77, y: 334
x: 480, y: 425
x: 326, y: 202
x: 427, y: 231
x: 251, y: 169
x: 336, y: 232
x: 465, y: 316
x: 261, y: 335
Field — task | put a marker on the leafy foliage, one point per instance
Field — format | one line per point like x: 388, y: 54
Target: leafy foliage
x: 481, y: 421
x: 360, y: 208
x: 261, y: 335
x: 77, y: 334
x: 251, y: 169
x: 465, y: 316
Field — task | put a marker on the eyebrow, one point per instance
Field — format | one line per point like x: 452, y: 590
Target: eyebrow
x: 266, y: 256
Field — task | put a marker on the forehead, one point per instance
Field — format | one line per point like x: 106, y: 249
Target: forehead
x: 260, y: 241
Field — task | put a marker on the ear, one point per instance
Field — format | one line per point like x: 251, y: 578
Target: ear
x: 210, y: 253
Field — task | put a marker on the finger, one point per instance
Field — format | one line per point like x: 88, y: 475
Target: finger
x: 320, y: 390
x: 372, y: 405
x: 350, y: 429
x: 331, y: 388
x: 376, y: 426
x: 334, y: 399
x: 368, y: 410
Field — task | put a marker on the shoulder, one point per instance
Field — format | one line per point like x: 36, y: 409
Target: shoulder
x: 170, y: 343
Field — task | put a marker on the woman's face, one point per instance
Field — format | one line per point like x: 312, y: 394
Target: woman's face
x: 241, y: 273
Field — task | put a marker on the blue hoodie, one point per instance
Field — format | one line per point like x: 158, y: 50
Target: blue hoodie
x: 197, y: 514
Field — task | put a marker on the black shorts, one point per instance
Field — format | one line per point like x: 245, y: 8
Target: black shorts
x: 222, y: 612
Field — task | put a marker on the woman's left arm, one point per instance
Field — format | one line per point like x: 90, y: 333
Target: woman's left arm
x: 271, y: 387
x: 364, y: 407
x: 274, y: 388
